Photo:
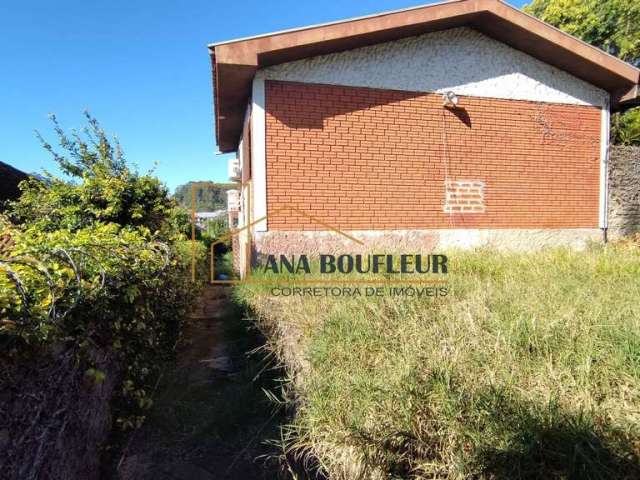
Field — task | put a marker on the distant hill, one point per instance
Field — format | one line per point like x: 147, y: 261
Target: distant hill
x: 9, y: 179
x: 209, y: 197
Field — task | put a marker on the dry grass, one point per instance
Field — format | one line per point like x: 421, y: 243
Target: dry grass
x: 530, y: 368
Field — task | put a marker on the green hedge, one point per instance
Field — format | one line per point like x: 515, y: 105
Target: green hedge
x: 97, y: 261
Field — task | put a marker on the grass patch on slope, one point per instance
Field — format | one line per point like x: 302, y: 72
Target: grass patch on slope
x: 529, y: 368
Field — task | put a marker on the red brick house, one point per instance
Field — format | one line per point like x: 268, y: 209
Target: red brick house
x: 462, y: 123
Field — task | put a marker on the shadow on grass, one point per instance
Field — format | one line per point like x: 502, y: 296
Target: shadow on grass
x: 498, y: 436
x: 534, y: 442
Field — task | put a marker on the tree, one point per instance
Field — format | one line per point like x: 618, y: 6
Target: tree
x: 611, y: 25
x: 103, y: 188
x: 210, y: 196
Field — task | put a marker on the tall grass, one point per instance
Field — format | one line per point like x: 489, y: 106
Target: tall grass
x: 529, y: 368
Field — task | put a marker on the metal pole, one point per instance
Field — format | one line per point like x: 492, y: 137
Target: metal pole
x: 193, y: 232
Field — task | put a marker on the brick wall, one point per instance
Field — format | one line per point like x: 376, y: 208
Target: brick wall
x: 367, y: 159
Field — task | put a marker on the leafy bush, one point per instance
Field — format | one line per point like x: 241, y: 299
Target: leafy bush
x: 216, y: 227
x: 98, y: 262
x: 104, y: 190
x: 625, y: 128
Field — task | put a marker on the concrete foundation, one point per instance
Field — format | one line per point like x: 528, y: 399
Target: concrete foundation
x: 313, y: 243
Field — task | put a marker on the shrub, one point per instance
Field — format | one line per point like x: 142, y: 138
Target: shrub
x: 103, y: 189
x: 625, y: 128
x: 100, y: 262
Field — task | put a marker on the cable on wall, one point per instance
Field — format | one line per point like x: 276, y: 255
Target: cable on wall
x: 445, y: 161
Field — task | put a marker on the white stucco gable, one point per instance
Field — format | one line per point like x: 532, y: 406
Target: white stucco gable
x: 461, y: 59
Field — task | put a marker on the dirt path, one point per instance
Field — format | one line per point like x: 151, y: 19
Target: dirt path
x: 210, y: 419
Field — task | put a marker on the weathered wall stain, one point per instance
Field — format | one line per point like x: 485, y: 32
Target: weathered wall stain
x: 624, y: 191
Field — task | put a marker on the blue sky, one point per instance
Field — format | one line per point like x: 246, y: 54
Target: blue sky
x: 141, y: 67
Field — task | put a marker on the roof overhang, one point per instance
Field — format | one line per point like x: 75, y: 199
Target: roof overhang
x: 235, y: 62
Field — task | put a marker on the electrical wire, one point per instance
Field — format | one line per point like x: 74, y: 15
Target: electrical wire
x: 445, y: 161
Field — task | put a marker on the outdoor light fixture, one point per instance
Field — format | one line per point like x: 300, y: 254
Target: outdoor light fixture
x: 449, y: 99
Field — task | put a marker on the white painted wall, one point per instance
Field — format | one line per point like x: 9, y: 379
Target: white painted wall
x: 461, y: 59
x: 258, y: 153
x: 605, y: 127
x: 244, y: 240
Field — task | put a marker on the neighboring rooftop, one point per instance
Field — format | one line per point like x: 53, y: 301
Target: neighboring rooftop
x: 235, y: 62
x: 206, y: 215
x: 9, y: 179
